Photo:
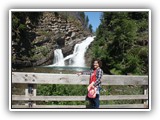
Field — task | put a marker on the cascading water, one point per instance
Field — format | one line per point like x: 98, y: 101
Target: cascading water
x: 79, y: 52
x: 58, y: 58
x: 77, y: 59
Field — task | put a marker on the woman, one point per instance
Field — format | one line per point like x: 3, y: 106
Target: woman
x: 94, y: 83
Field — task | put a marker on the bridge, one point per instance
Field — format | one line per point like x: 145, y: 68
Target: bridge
x: 29, y: 81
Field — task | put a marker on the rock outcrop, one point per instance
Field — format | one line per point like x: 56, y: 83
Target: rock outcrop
x: 36, y: 44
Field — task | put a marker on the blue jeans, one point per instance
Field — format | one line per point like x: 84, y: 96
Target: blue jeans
x: 94, y: 102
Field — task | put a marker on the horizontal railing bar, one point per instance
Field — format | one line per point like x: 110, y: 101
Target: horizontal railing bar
x: 82, y: 106
x: 48, y: 78
x: 75, y: 98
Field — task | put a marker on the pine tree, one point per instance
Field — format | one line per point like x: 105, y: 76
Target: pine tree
x: 122, y: 42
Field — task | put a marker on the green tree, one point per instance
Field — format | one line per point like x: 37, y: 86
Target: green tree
x: 86, y: 21
x: 122, y: 42
x: 90, y: 28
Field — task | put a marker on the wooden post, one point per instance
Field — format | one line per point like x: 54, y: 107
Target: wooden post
x: 26, y: 93
x: 34, y: 92
x: 145, y: 93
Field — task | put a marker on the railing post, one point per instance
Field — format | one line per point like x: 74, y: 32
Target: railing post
x: 26, y: 93
x: 146, y: 93
x: 34, y: 92
x: 29, y: 92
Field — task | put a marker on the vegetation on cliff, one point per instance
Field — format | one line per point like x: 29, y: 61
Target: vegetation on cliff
x: 35, y: 35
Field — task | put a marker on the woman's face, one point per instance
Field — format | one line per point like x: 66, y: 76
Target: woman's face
x: 95, y: 64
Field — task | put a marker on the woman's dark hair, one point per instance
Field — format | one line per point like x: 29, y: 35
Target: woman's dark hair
x: 99, y: 62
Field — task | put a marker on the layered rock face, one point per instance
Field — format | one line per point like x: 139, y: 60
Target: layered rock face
x: 35, y: 45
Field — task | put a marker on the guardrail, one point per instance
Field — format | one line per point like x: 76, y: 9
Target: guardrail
x: 30, y: 80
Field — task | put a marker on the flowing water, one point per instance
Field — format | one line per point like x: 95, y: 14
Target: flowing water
x: 76, y: 59
x: 58, y: 58
x: 70, y: 64
x: 53, y: 69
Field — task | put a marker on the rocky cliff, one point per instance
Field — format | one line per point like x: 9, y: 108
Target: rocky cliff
x: 35, y: 36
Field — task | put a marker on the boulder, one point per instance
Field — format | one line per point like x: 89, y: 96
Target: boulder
x: 67, y: 38
x: 63, y: 27
x: 60, y: 42
x: 73, y: 35
x: 21, y: 63
x: 69, y: 32
x: 68, y: 49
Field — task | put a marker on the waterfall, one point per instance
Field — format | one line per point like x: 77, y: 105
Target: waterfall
x: 77, y: 59
x: 58, y: 58
x: 79, y: 52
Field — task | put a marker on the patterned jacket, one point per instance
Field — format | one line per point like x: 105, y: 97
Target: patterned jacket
x: 99, y: 74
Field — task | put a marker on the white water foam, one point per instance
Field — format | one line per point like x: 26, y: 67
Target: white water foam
x: 77, y: 59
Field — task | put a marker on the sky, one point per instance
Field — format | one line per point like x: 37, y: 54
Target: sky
x: 94, y: 19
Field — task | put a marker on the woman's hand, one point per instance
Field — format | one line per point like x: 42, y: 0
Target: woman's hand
x: 79, y: 74
x: 90, y: 86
